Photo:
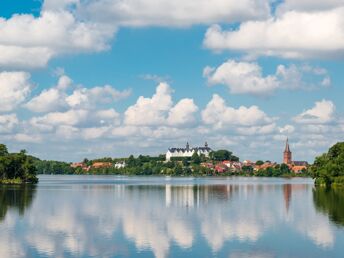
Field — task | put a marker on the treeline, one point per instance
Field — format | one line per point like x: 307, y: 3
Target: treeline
x: 53, y: 167
x: 328, y: 169
x: 16, y: 168
x: 147, y: 165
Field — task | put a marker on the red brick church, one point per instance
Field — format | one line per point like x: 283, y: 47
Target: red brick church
x: 296, y: 166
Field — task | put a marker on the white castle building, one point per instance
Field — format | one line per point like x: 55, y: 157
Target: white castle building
x: 187, y: 152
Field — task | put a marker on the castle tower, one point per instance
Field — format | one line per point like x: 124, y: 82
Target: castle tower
x: 287, y: 159
x: 187, y: 146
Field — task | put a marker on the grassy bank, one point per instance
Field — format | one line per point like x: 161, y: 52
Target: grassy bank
x: 15, y: 181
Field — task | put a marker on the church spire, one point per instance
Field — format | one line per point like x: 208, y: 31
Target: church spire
x: 287, y: 155
x: 287, y: 149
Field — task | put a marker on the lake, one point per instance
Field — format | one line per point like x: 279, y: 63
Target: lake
x: 115, y: 216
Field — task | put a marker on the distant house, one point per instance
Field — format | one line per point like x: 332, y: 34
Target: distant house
x: 300, y: 163
x: 187, y: 152
x: 221, y: 168
x: 233, y: 165
x: 120, y: 165
x: 298, y: 169
x: 77, y: 165
x: 207, y: 165
x: 248, y: 163
x: 81, y: 165
x: 264, y: 166
x: 101, y: 165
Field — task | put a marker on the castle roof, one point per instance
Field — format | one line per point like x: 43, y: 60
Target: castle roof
x: 188, y: 149
x: 196, y: 149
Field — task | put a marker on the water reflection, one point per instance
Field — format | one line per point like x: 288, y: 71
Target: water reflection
x: 17, y: 197
x: 172, y: 219
x: 330, y: 201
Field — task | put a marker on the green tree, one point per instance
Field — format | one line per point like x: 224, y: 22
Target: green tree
x: 329, y: 167
x: 259, y: 162
x: 3, y: 150
x: 196, y: 158
x: 222, y: 155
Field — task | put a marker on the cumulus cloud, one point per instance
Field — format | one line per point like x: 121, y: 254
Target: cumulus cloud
x: 48, y: 100
x: 15, y: 88
x: 90, y: 97
x: 180, y: 13
x: 309, y: 5
x: 8, y: 122
x: 28, y: 41
x: 241, y: 77
x: 219, y: 115
x: 293, y: 34
x: 159, y: 110
x: 247, y: 78
x: 183, y: 112
x: 57, y: 98
x: 322, y: 112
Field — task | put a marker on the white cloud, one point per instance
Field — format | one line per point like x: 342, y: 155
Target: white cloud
x: 241, y: 77
x: 247, y: 78
x: 182, y: 113
x: 309, y: 5
x: 28, y: 41
x: 91, y: 97
x: 159, y: 110
x: 8, y: 122
x: 46, y: 101
x: 26, y: 138
x: 287, y: 129
x: 173, y: 13
x: 294, y: 34
x: 219, y: 115
x: 57, y: 99
x: 15, y: 88
x: 70, y: 117
x: 322, y: 112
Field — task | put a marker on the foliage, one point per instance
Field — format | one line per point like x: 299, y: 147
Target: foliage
x: 329, y: 167
x: 53, y: 167
x: 330, y: 201
x: 259, y: 162
x: 222, y: 155
x: 17, y: 197
x: 16, y: 167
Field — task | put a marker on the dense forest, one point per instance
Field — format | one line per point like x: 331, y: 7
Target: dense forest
x: 328, y: 169
x: 16, y: 168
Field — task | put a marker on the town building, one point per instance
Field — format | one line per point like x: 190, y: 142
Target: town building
x: 287, y: 155
x: 120, y: 165
x: 296, y: 166
x: 98, y: 165
x: 187, y: 151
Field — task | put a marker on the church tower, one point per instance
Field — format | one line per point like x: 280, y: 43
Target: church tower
x: 287, y: 154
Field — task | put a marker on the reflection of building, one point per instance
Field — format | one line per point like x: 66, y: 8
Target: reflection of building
x: 194, y: 195
x: 187, y: 152
x: 287, y: 189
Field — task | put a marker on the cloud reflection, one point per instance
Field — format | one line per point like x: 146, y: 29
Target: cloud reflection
x: 101, y: 220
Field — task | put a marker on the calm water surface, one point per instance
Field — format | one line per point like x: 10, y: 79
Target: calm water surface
x: 108, y: 216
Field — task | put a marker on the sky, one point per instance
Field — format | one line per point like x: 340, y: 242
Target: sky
x: 86, y: 78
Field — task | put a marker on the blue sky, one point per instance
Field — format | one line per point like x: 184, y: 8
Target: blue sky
x: 272, y: 86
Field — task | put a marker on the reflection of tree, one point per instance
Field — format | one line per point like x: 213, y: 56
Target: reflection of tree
x: 18, y: 197
x: 331, y: 202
